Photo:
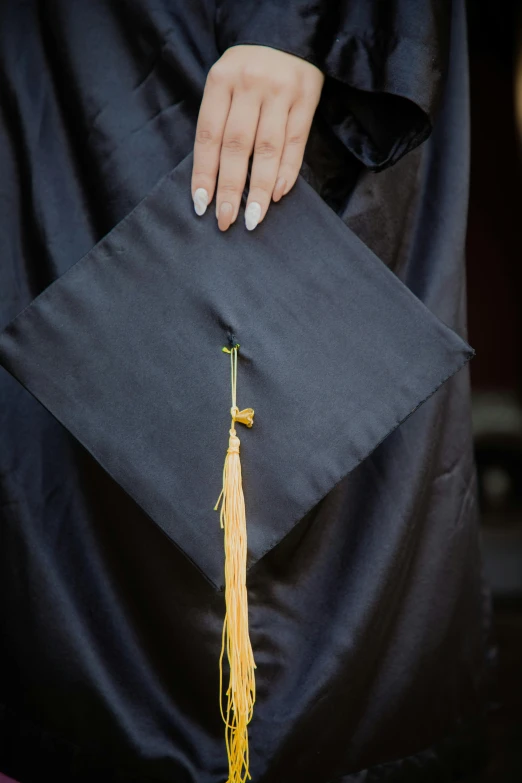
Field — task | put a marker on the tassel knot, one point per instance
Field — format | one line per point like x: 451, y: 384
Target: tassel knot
x: 233, y: 443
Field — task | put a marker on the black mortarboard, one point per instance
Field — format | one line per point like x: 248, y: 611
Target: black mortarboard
x: 125, y: 349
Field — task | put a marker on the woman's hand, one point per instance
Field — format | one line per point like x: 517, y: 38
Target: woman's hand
x: 257, y: 100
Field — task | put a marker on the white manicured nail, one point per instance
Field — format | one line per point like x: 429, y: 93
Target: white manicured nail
x: 252, y: 215
x: 200, y: 201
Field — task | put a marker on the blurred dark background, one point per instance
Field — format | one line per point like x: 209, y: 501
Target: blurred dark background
x: 494, y: 266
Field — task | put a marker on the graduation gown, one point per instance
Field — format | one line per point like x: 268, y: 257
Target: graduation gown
x: 369, y: 616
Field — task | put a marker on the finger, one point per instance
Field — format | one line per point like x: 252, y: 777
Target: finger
x: 238, y: 141
x: 297, y: 132
x: 212, y: 118
x: 268, y: 148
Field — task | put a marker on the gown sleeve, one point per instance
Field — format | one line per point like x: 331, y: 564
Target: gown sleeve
x: 384, y: 62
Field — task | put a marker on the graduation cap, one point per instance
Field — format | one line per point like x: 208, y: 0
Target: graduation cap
x: 126, y: 350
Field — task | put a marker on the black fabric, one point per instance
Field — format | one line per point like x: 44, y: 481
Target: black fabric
x: 370, y: 618
x: 125, y: 350
x: 374, y: 101
x: 452, y: 758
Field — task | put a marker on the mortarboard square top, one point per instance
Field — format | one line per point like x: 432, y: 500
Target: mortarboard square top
x: 125, y: 350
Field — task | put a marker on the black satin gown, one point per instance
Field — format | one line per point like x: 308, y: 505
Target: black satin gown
x: 370, y: 618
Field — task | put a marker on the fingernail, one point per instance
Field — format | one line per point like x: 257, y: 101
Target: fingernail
x: 252, y: 215
x: 200, y: 201
x: 279, y: 189
x: 225, y: 215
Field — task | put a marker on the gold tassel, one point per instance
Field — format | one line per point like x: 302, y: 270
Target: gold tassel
x: 241, y: 692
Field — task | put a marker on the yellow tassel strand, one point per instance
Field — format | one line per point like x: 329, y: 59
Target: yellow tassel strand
x: 241, y: 692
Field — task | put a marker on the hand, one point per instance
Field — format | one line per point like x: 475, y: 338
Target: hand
x: 256, y: 100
